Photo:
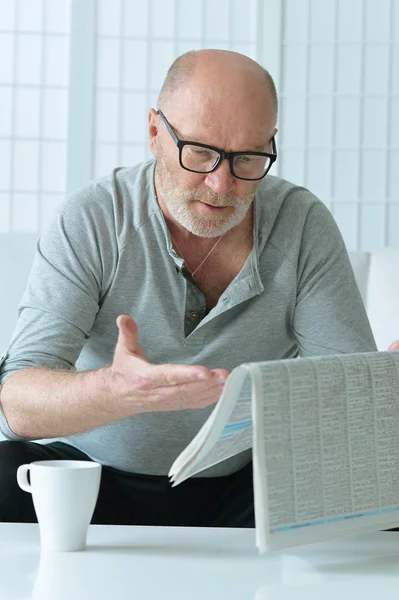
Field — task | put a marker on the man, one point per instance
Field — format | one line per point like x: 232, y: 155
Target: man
x: 204, y: 261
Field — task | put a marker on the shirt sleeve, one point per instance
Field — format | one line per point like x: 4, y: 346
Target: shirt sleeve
x: 329, y: 316
x: 70, y: 273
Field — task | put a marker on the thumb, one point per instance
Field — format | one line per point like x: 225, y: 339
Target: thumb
x: 127, y: 338
x: 394, y: 346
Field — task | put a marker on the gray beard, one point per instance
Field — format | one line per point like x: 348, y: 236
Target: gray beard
x: 178, y: 204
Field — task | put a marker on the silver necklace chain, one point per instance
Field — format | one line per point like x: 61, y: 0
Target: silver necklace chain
x: 200, y: 265
x: 181, y: 254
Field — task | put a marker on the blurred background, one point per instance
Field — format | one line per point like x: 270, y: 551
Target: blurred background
x: 77, y: 78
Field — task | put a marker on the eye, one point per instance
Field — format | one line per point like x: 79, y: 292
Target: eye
x: 248, y: 159
x: 202, y: 153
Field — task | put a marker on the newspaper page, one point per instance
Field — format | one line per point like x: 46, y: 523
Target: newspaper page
x: 228, y: 430
x: 326, y: 447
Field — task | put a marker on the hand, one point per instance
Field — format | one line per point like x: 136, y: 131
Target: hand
x: 394, y: 346
x: 154, y: 388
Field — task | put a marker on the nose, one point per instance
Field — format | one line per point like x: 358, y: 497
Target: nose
x: 221, y: 181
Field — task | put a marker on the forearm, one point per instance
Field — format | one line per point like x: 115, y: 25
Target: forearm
x: 42, y: 403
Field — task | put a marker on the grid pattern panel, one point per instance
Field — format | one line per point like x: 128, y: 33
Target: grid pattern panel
x: 339, y: 120
x: 136, y: 43
x: 34, y: 36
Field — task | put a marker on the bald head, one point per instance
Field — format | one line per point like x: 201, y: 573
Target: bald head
x: 218, y: 73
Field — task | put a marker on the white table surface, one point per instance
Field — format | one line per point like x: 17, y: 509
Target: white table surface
x: 139, y: 563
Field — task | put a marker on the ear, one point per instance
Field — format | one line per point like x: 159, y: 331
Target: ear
x: 274, y: 135
x: 152, y: 130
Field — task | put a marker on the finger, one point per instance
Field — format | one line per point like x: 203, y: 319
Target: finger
x: 203, y: 397
x: 394, y: 346
x: 127, y: 338
x: 172, y: 375
x: 222, y: 374
x: 194, y: 395
x: 190, y: 394
x: 189, y: 400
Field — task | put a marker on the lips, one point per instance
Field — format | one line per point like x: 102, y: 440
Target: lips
x: 213, y: 205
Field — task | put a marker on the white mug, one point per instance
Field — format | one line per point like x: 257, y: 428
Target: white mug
x: 64, y: 495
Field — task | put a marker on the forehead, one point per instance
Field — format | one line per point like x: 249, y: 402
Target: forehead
x: 229, y: 125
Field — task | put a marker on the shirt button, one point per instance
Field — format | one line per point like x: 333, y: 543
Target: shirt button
x: 194, y: 315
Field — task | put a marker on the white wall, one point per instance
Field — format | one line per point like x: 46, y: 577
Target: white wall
x: 335, y: 62
x: 34, y: 77
x: 340, y: 111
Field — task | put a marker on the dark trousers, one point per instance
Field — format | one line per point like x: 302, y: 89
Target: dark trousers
x: 131, y: 499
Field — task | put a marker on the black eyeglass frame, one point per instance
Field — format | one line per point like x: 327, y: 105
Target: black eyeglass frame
x: 230, y: 156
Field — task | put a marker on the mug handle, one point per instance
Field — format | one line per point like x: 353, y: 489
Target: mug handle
x: 22, y: 478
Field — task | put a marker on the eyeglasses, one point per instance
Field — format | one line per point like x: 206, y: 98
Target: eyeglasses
x: 200, y: 158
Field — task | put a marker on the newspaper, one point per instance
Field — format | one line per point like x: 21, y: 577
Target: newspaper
x: 325, y: 438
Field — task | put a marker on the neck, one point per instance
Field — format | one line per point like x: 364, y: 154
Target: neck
x: 177, y: 230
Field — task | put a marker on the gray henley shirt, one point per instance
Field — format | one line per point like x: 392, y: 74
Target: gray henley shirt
x: 108, y: 251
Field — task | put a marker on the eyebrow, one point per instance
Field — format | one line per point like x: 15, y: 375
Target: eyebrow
x: 261, y: 148
x: 191, y: 138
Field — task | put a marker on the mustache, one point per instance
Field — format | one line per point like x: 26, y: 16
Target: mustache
x: 219, y: 200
